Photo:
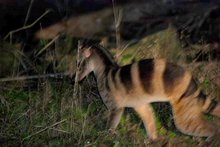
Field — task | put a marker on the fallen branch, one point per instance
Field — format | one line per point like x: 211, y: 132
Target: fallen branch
x: 59, y: 75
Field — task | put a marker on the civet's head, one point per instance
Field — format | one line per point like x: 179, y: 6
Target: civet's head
x: 94, y: 58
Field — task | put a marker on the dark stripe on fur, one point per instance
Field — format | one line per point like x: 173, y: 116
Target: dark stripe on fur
x: 188, y: 125
x: 212, y: 106
x: 172, y: 73
x: 197, y: 125
x: 105, y: 55
x: 125, y: 75
x: 146, y: 69
x: 202, y: 98
x: 107, y: 69
x: 114, y: 76
x: 192, y: 87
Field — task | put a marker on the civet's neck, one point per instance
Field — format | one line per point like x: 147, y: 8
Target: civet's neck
x: 103, y: 61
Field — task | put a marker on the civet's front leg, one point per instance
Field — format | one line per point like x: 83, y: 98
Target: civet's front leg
x: 114, y: 117
x: 146, y: 113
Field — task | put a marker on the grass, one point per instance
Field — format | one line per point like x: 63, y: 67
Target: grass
x: 47, y: 112
x: 43, y: 117
x: 163, y: 44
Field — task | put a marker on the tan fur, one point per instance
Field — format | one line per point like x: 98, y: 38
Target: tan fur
x: 145, y: 111
x: 148, y: 81
x: 180, y: 87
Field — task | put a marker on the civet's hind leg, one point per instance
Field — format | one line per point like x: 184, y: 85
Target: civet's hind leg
x: 189, y: 119
x: 216, y: 111
x: 212, y: 108
x: 114, y: 117
x: 146, y: 113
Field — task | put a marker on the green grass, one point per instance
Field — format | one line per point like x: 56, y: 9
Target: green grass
x: 43, y: 112
x: 29, y: 112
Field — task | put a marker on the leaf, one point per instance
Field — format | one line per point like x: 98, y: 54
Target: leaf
x: 116, y: 144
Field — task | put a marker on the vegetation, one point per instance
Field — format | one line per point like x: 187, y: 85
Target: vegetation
x: 56, y: 112
x: 46, y: 112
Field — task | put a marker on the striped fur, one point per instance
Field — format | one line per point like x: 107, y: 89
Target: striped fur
x: 139, y: 84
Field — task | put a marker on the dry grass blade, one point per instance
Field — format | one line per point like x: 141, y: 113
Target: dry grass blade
x: 20, y: 56
x: 17, y: 119
x: 44, y: 129
x: 84, y: 125
x: 49, y: 44
x: 28, y: 13
x: 118, y: 18
x: 75, y: 102
x: 122, y: 51
x: 134, y: 54
x: 58, y: 130
x: 26, y: 27
x: 79, y: 64
x: 78, y: 60
x: 4, y: 102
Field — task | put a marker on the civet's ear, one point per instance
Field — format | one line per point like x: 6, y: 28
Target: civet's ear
x: 87, y: 52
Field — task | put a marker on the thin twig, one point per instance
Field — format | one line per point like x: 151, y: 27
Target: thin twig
x: 75, y: 89
x: 33, y: 77
x: 44, y: 129
x: 49, y: 44
x: 78, y: 61
x: 26, y: 27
